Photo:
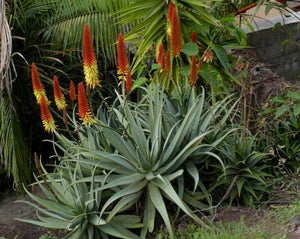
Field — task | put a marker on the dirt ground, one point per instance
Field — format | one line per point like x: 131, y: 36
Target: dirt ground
x: 10, y: 210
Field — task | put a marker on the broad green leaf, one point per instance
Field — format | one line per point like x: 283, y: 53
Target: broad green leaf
x: 278, y: 99
x: 190, y: 49
x: 281, y: 111
x: 139, y: 82
x: 193, y: 171
x: 222, y: 56
x: 293, y: 95
x: 159, y: 204
x: 296, y: 109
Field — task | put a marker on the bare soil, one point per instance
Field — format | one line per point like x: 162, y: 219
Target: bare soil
x: 10, y: 210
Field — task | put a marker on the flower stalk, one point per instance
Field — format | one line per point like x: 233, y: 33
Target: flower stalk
x: 58, y: 96
x: 89, y: 60
x: 84, y: 109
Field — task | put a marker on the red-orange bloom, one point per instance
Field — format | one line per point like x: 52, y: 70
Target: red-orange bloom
x: 72, y: 91
x: 193, y: 78
x: 58, y: 96
x: 84, y: 109
x: 161, y: 56
x: 168, y: 62
x: 194, y: 37
x: 170, y: 10
x: 199, y: 64
x: 178, y: 38
x: 122, y: 57
x: 38, y: 89
x: 175, y: 34
x: 89, y: 61
x: 47, y: 118
x: 128, y: 82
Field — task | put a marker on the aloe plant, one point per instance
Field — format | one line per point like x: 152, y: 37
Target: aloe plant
x: 135, y: 154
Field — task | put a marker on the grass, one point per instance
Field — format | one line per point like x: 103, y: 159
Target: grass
x: 230, y: 230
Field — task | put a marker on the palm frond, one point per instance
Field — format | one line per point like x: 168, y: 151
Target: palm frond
x: 151, y: 17
x: 65, y: 21
x: 14, y: 156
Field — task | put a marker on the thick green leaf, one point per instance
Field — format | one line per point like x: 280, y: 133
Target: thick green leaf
x: 296, y: 109
x: 222, y: 56
x: 190, y: 49
x: 293, y: 95
x: 159, y: 204
x: 139, y: 82
x: 281, y: 111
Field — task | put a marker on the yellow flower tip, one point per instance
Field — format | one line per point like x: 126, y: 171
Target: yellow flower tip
x: 38, y: 95
x: 87, y: 119
x: 47, y: 119
x: 61, y: 104
x: 58, y: 96
x: 49, y: 125
x: 91, y: 75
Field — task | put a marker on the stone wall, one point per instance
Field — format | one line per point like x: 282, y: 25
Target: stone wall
x: 268, y: 41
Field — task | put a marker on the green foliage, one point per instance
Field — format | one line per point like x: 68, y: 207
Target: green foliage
x: 245, y: 170
x: 72, y: 205
x: 14, y: 154
x: 153, y: 28
x: 281, y: 122
x: 63, y: 23
x: 232, y: 230
x: 46, y: 236
x: 136, y: 154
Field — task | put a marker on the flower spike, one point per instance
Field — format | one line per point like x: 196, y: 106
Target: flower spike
x: 168, y: 62
x: 47, y: 118
x: 122, y: 57
x: 72, y: 91
x: 38, y: 89
x: 200, y: 65
x: 84, y: 109
x: 128, y: 82
x: 170, y: 11
x: 89, y: 60
x: 161, y: 53
x: 58, y: 96
x: 193, y: 78
x: 176, y: 44
x: 194, y: 37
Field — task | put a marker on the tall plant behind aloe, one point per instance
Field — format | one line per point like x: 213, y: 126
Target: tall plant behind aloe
x: 14, y: 154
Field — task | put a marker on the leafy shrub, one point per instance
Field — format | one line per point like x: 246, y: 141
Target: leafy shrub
x: 245, y: 170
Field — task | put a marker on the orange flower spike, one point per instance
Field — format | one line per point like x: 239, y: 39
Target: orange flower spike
x: 194, y: 37
x: 173, y: 31
x: 89, y: 60
x: 178, y: 38
x: 47, y: 118
x: 208, y: 56
x: 72, y: 91
x: 168, y: 62
x: 199, y: 65
x: 193, y: 78
x: 84, y: 109
x: 175, y: 34
x: 161, y: 56
x: 170, y: 11
x: 38, y: 89
x: 122, y: 57
x: 58, y: 96
x: 128, y: 82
